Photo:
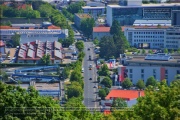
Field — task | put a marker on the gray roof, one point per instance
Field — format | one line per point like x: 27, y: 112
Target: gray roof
x: 25, y: 25
x: 152, y: 22
x: 98, y: 4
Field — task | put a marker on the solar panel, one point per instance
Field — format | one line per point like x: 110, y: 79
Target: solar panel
x: 159, y: 57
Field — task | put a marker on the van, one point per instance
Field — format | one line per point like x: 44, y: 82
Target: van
x: 82, y: 70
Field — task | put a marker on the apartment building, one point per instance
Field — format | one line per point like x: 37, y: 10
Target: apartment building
x: 78, y: 17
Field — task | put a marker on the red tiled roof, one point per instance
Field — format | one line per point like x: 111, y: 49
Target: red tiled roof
x: 124, y: 94
x: 2, y: 43
x: 53, y: 27
x: 107, y: 112
x: 101, y: 29
x: 5, y: 27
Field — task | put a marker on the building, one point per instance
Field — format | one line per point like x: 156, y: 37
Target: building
x: 152, y: 23
x: 129, y: 96
x: 32, y: 32
x: 161, y: 66
x: 99, y: 32
x: 126, y: 15
x: 95, y: 11
x: 78, y: 17
x: 32, y: 52
x: 2, y: 47
x: 153, y: 37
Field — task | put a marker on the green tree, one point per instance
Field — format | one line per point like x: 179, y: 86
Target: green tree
x: 104, y: 71
x: 76, y: 7
x: 143, y: 51
x: 107, y: 82
x: 74, y: 90
x: 178, y: 50
x: 151, y: 81
x: 118, y: 103
x: 46, y: 59
x: 107, y: 47
x: 66, y: 72
x: 102, y: 94
x: 162, y: 103
x: 150, y: 51
x: 172, y: 51
x: 115, y: 28
x: 126, y: 84
x: 16, y: 40
x: 80, y: 45
x: 96, y: 41
x: 87, y: 26
x: 165, y: 50
x: 140, y: 84
x: 45, y: 10
x: 107, y: 90
x: 145, y: 2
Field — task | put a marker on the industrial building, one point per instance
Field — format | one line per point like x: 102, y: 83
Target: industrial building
x: 127, y: 13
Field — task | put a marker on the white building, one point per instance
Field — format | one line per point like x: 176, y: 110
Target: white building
x: 159, y: 66
x: 99, y: 32
x: 153, y: 37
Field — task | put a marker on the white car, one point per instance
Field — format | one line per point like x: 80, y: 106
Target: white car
x: 82, y: 70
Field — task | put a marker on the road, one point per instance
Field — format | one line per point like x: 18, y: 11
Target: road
x: 90, y: 93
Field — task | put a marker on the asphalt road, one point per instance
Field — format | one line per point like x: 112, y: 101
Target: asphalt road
x: 90, y: 93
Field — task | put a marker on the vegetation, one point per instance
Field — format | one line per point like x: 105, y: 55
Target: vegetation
x: 113, y: 46
x: 66, y: 72
x: 165, y: 50
x: 16, y: 40
x: 80, y: 45
x: 151, y: 81
x: 104, y: 71
x: 87, y: 26
x: 140, y: 84
x: 96, y: 41
x: 118, y: 104
x: 102, y: 94
x: 107, y: 82
x: 143, y: 51
x: 46, y: 59
x: 74, y: 90
x: 126, y: 84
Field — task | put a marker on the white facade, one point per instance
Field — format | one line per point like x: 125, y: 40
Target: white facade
x: 109, y: 18
x: 172, y: 38
x: 154, y: 38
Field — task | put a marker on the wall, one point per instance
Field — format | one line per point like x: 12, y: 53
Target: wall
x: 99, y: 35
x: 109, y: 15
x: 2, y: 50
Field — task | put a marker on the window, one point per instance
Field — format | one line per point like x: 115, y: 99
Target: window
x: 130, y: 70
x: 130, y: 76
x: 154, y: 71
x: 142, y: 76
x: 142, y: 70
x: 166, y: 77
x: 154, y: 76
x: 166, y: 71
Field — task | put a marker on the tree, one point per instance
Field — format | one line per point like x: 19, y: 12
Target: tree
x: 45, y: 10
x: 151, y: 81
x: 126, y: 84
x: 150, y: 51
x: 162, y: 103
x: 115, y: 28
x: 107, y: 47
x: 102, y: 94
x: 143, y: 51
x: 76, y: 7
x: 74, y: 90
x: 28, y: 102
x: 87, y: 26
x: 104, y: 71
x: 145, y: 2
x: 165, y: 50
x: 172, y: 51
x: 66, y: 72
x: 46, y: 59
x: 118, y: 103
x: 16, y: 40
x: 178, y: 50
x: 140, y: 84
x: 96, y: 41
x: 106, y: 90
x: 107, y: 82
x: 80, y: 45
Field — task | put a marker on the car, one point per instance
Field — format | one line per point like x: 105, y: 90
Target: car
x: 94, y: 87
x: 90, y: 67
x: 89, y: 57
x: 88, y: 48
x: 90, y: 78
x: 82, y: 70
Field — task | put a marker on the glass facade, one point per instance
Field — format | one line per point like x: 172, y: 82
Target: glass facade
x: 127, y: 16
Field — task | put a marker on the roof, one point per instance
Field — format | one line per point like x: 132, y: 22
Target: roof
x: 147, y: 5
x: 101, y: 29
x: 53, y: 27
x: 2, y: 43
x: 82, y: 15
x: 93, y: 7
x: 58, y: 53
x: 107, y: 112
x: 23, y: 6
x: 124, y: 94
x: 5, y: 27
x: 98, y: 4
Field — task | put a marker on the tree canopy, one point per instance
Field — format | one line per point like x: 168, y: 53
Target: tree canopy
x: 80, y: 45
x: 126, y: 84
x: 151, y: 81
x: 46, y: 59
x: 140, y: 84
x: 107, y: 82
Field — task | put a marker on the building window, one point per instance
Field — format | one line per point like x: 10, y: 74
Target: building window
x: 130, y: 70
x: 178, y: 71
x: 142, y: 76
x: 142, y: 70
x: 166, y: 71
x: 166, y: 77
x: 130, y: 76
x: 154, y: 76
x: 154, y: 71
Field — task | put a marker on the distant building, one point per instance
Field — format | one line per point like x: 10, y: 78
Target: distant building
x: 78, y: 17
x: 32, y: 52
x: 153, y: 37
x: 152, y: 23
x: 31, y: 32
x: 160, y: 66
x: 129, y: 96
x: 99, y: 32
x: 126, y: 15
x: 2, y: 47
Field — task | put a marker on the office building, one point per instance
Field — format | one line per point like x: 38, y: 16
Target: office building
x: 78, y: 17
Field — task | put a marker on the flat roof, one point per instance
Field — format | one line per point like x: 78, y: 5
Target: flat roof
x: 93, y: 7
x: 82, y: 15
x: 147, y: 5
x: 47, y: 86
x: 152, y: 22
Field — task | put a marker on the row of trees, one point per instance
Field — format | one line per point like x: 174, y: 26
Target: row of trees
x: 112, y: 46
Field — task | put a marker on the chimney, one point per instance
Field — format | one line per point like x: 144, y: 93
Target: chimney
x: 139, y: 93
